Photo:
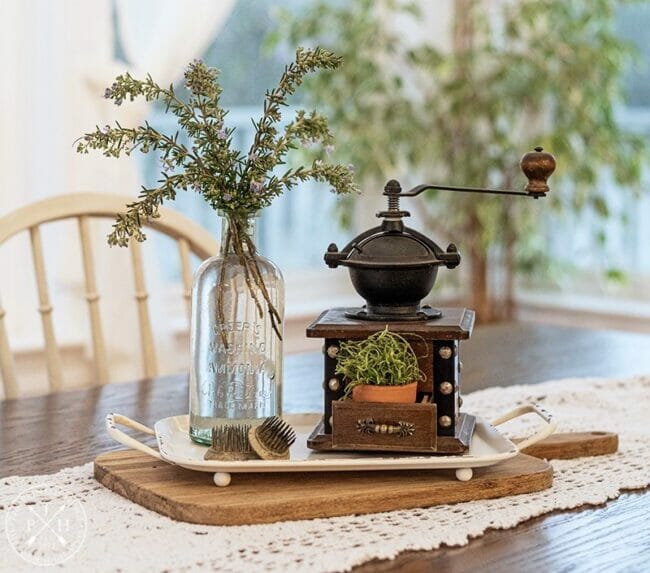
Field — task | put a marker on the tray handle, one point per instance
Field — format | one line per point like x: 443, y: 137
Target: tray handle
x: 113, y: 420
x: 544, y: 432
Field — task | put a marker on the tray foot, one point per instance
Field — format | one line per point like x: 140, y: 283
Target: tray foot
x: 464, y: 474
x: 221, y: 479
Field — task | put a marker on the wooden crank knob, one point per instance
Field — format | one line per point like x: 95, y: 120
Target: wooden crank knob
x: 537, y: 166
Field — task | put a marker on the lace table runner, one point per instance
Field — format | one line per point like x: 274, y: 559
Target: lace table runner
x: 122, y: 536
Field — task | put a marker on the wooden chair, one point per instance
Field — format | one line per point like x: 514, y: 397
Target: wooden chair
x: 190, y: 238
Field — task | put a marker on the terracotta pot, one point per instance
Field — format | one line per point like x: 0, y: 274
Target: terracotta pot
x: 404, y: 394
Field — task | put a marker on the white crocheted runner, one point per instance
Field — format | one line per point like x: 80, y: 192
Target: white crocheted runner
x: 122, y: 536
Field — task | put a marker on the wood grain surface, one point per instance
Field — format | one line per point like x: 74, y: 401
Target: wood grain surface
x: 454, y: 324
x: 574, y: 445
x: 265, y: 498
x: 44, y: 434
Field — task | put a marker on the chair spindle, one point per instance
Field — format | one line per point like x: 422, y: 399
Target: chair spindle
x: 92, y: 296
x: 141, y: 296
x: 186, y: 274
x: 52, y: 356
x: 7, y: 366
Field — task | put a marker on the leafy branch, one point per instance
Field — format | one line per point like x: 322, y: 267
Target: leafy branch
x: 236, y: 184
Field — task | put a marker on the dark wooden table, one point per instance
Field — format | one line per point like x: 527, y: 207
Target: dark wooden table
x: 44, y: 434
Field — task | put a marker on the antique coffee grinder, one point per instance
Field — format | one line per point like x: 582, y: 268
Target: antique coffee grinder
x: 393, y: 267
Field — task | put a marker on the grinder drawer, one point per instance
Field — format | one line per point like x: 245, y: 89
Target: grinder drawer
x: 383, y: 426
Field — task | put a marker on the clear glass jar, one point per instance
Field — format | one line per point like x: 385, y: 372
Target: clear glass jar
x: 236, y: 363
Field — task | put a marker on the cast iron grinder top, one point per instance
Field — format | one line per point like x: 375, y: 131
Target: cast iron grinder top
x: 393, y: 267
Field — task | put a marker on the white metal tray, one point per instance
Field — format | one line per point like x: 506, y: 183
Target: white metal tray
x: 487, y: 447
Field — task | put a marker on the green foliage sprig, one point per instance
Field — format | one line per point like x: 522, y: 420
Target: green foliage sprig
x: 383, y: 359
x: 237, y: 184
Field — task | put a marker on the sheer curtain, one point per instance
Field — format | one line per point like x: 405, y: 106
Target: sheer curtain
x: 57, y: 58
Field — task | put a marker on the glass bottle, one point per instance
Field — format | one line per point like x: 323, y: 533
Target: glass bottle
x: 236, y: 363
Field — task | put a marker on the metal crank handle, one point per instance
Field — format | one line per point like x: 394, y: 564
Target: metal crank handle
x: 113, y: 420
x: 544, y: 432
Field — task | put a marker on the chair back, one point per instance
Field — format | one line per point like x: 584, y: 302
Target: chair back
x: 189, y: 238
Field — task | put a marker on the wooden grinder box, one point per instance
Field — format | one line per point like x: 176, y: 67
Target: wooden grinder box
x: 433, y: 426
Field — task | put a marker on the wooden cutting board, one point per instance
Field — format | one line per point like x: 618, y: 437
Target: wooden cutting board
x: 574, y: 445
x: 265, y: 498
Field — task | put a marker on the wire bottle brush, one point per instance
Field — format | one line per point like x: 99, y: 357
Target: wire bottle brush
x: 272, y: 438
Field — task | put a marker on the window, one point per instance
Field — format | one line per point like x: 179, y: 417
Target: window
x: 616, y: 260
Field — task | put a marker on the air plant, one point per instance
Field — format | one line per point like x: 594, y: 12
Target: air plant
x: 383, y: 359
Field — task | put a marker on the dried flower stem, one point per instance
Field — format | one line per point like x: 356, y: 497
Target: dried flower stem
x: 245, y: 250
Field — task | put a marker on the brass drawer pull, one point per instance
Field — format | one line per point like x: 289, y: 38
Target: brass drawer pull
x: 401, y: 429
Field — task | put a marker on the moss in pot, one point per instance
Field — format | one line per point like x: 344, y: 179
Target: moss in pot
x: 380, y: 368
